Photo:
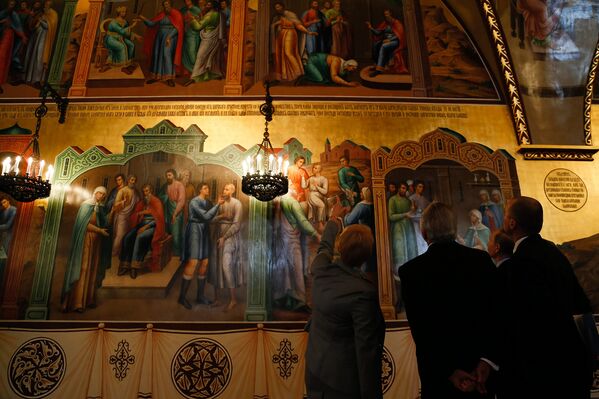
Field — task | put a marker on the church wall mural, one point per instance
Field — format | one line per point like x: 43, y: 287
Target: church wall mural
x: 275, y: 242
x: 326, y: 48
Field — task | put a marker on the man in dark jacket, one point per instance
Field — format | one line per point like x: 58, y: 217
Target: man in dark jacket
x: 347, y: 329
x: 448, y: 293
x: 545, y: 354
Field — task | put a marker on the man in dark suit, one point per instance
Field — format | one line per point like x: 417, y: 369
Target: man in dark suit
x: 448, y: 293
x: 347, y: 329
x: 545, y: 354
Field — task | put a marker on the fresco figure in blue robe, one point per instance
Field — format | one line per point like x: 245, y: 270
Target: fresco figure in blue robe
x: 88, y: 257
x: 197, y: 245
x: 191, y: 40
x: 314, y: 21
x: 349, y: 178
x: 119, y: 39
x: 163, y: 44
x: 40, y: 45
x: 477, y: 236
x: 363, y: 213
x: 8, y: 214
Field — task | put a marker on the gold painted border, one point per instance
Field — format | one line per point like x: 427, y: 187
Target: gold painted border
x: 588, y: 97
x: 516, y: 105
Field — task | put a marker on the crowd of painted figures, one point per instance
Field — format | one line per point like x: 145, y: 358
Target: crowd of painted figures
x: 135, y: 228
x: 318, y: 47
x: 406, y: 203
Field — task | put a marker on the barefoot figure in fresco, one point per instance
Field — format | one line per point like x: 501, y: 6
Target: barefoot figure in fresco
x: 163, y: 44
x: 225, y: 266
x: 88, y: 258
x: 389, y: 44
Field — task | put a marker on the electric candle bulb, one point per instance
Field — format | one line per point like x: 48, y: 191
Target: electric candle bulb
x: 29, y: 164
x: 50, y: 172
x: 244, y: 166
x: 280, y: 164
x: 17, y: 162
x: 271, y: 159
x: 6, y: 165
x: 286, y: 167
x: 259, y: 163
x: 42, y: 163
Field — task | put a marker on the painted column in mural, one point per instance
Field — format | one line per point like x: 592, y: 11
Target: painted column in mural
x: 257, y: 263
x: 62, y: 43
x: 78, y: 88
x: 418, y: 53
x: 234, y: 77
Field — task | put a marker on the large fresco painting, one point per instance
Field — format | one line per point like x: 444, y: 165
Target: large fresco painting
x: 338, y: 178
x: 362, y: 49
x: 552, y: 44
x: 28, y: 36
x: 180, y: 48
x: 165, y: 49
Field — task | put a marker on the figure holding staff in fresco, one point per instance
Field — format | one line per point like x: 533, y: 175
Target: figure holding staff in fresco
x: 318, y: 188
x: 403, y: 236
x: 212, y: 33
x: 389, y: 44
x: 39, y: 48
x: 197, y: 246
x: 173, y: 197
x: 349, y: 179
x: 119, y: 42
x: 87, y: 260
x: 148, y: 230
x: 191, y: 40
x: 286, y: 43
x: 163, y: 44
x: 226, y: 267
x: 324, y: 68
